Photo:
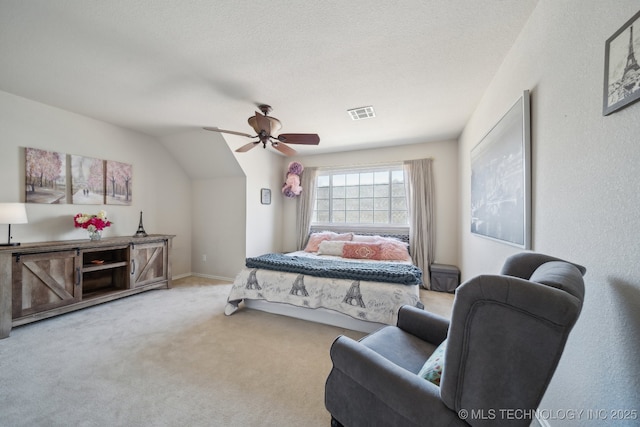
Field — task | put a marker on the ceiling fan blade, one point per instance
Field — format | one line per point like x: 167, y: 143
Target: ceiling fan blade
x: 284, y: 149
x: 299, y: 138
x: 247, y: 147
x: 233, y: 132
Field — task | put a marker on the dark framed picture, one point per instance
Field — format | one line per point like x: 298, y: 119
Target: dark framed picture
x: 265, y: 196
x: 501, y: 179
x: 621, y: 68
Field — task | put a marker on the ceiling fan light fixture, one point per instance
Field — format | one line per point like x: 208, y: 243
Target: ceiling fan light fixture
x: 362, y: 113
x: 275, y: 124
x: 265, y: 127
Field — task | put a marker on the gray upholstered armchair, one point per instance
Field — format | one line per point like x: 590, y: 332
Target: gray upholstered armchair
x: 503, y: 343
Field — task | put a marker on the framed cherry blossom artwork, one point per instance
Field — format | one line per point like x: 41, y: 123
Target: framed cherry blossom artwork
x: 119, y: 178
x: 87, y: 180
x: 45, y: 176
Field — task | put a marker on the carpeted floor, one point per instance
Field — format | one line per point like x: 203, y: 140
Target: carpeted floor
x: 168, y: 358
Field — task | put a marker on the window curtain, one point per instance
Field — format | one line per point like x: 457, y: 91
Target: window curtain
x: 421, y: 224
x: 304, y: 206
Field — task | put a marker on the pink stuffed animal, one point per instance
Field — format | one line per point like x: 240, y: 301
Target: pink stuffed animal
x: 291, y: 187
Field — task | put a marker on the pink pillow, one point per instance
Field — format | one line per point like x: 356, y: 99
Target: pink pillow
x: 362, y: 250
x: 393, y: 251
x: 313, y: 245
x: 315, y: 239
x: 345, y: 237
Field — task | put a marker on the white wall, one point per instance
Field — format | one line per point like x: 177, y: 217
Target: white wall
x: 160, y: 187
x: 218, y: 232
x: 228, y: 221
x: 445, y: 170
x: 585, y: 194
x: 263, y: 169
x: 218, y: 211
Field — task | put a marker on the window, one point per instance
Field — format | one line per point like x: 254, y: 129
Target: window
x: 372, y: 196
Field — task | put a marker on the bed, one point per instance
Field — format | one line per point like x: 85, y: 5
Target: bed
x: 353, y: 281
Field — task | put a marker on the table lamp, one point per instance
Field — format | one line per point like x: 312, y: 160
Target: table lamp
x: 12, y: 213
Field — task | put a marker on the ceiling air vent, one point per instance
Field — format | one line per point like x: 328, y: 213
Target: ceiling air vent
x: 361, y: 113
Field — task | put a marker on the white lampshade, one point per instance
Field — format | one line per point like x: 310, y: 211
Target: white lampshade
x: 13, y: 213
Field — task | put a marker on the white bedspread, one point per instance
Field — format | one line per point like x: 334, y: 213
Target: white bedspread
x: 364, y: 300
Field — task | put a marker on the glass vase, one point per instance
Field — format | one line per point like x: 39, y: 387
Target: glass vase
x: 95, y: 235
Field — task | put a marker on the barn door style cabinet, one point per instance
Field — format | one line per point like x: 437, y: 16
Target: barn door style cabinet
x: 41, y: 280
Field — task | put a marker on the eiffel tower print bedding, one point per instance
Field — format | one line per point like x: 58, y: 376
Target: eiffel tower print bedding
x: 368, y: 300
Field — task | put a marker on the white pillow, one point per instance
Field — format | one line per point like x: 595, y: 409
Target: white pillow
x: 331, y: 247
x: 374, y: 239
x: 365, y: 239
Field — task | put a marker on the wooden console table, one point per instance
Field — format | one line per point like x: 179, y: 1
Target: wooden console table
x: 41, y: 280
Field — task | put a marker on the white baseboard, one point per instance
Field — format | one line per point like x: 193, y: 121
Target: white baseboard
x: 210, y: 276
x: 205, y: 276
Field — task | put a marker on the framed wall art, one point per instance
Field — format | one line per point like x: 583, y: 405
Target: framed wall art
x: 621, y: 68
x: 87, y: 180
x: 501, y: 179
x: 45, y: 176
x: 265, y: 196
x: 52, y: 177
x: 119, y: 177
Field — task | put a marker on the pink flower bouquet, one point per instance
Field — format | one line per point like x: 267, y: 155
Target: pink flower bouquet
x: 92, y: 223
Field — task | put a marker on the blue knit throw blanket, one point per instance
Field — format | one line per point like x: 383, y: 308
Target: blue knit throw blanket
x: 404, y: 274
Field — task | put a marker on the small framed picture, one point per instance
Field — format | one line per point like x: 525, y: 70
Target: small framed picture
x: 621, y: 69
x: 265, y: 196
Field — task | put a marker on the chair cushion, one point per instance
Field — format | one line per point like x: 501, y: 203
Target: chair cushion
x: 399, y: 347
x: 432, y: 368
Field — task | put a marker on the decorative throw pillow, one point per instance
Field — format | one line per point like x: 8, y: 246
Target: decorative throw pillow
x: 361, y: 250
x: 313, y: 245
x: 374, y: 239
x: 392, y: 248
x: 345, y: 237
x: 331, y: 247
x: 315, y: 239
x: 432, y: 368
x: 365, y: 239
x: 394, y: 251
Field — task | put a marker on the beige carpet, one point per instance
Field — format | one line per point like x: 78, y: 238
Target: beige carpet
x: 167, y: 358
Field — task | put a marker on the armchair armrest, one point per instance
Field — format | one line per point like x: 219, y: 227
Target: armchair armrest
x: 427, y: 326
x: 403, y: 392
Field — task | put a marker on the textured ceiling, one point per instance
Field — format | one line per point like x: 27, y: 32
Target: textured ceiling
x: 164, y: 67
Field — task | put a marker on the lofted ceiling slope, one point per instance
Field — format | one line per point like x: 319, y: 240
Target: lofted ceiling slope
x: 164, y: 67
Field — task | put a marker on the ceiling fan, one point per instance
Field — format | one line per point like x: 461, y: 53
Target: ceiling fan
x: 265, y: 126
